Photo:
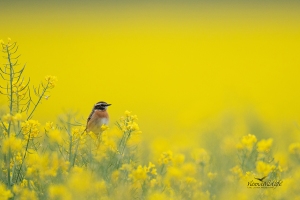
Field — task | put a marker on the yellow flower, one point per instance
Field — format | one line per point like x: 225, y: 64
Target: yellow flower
x: 140, y: 174
x: 51, y: 80
x: 200, y: 156
x: 127, y: 113
x: 247, y: 142
x: 24, y: 183
x: 12, y: 143
x: 264, y: 145
x: 17, y: 117
x: 115, y: 176
x: 178, y: 159
x: 59, y: 192
x: 153, y: 183
x: 134, y: 117
x: 4, y: 193
x: 190, y: 180
x: 7, y: 118
x: 30, y: 128
x: 104, y: 127
x: 55, y: 136
x: 189, y: 169
x: 174, y: 173
x: 294, y: 148
x: 264, y: 168
x: 158, y: 196
x: 165, y: 158
x: 211, y: 175
x: 126, y: 167
x: 100, y: 188
x: 27, y: 194
x: 48, y: 126
x: 237, y: 171
x: 19, y: 158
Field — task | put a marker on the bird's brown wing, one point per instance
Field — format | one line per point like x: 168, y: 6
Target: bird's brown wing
x: 90, y: 116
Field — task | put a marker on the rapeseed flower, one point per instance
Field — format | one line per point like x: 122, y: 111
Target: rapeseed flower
x: 264, y: 168
x: 165, y: 158
x: 30, y: 129
x: 201, y: 156
x: 211, y: 175
x: 56, y: 136
x: 12, y: 143
x: 294, y: 148
x: 139, y: 174
x: 264, y: 145
x: 4, y: 193
x: 59, y: 192
x: 247, y: 142
x: 51, y: 80
x: 49, y: 126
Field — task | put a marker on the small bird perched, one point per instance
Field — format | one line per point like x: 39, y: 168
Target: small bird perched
x: 98, y: 117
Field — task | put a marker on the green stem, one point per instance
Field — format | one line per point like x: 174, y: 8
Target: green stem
x: 11, y: 78
x: 39, y: 100
x: 23, y: 157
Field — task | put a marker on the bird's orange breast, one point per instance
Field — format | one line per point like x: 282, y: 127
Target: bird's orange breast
x: 98, y: 118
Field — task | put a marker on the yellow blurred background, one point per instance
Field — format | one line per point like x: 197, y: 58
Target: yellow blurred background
x: 182, y: 68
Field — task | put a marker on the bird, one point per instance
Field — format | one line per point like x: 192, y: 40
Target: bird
x: 98, y: 117
x: 261, y: 179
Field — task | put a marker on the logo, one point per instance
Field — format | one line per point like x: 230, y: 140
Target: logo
x: 260, y: 183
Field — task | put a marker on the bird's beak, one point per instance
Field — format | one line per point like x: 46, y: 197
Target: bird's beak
x: 108, y: 104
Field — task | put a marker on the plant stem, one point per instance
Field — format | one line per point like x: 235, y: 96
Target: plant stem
x: 39, y: 100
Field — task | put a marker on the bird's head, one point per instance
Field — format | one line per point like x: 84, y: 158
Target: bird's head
x: 101, y: 105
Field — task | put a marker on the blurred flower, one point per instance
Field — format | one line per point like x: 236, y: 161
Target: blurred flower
x: 134, y: 117
x: 17, y: 117
x: 178, y: 159
x: 18, y: 158
x: 211, y: 175
x: 127, y: 113
x: 100, y: 188
x: 190, y: 180
x: 264, y: 168
x: 158, y: 196
x: 115, y: 176
x: 189, y: 169
x: 153, y: 183
x: 228, y: 145
x: 59, y: 192
x: 27, y: 194
x: 13, y: 118
x: 7, y: 118
x: 51, y: 80
x: 264, y: 145
x: 56, y: 136
x: 294, y: 148
x: 237, y: 171
x: 165, y: 158
x: 4, y: 193
x: 104, y: 127
x: 12, y: 143
x: 48, y: 126
x: 139, y: 174
x: 174, y: 173
x: 201, y: 156
x: 247, y: 142
x: 126, y: 167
